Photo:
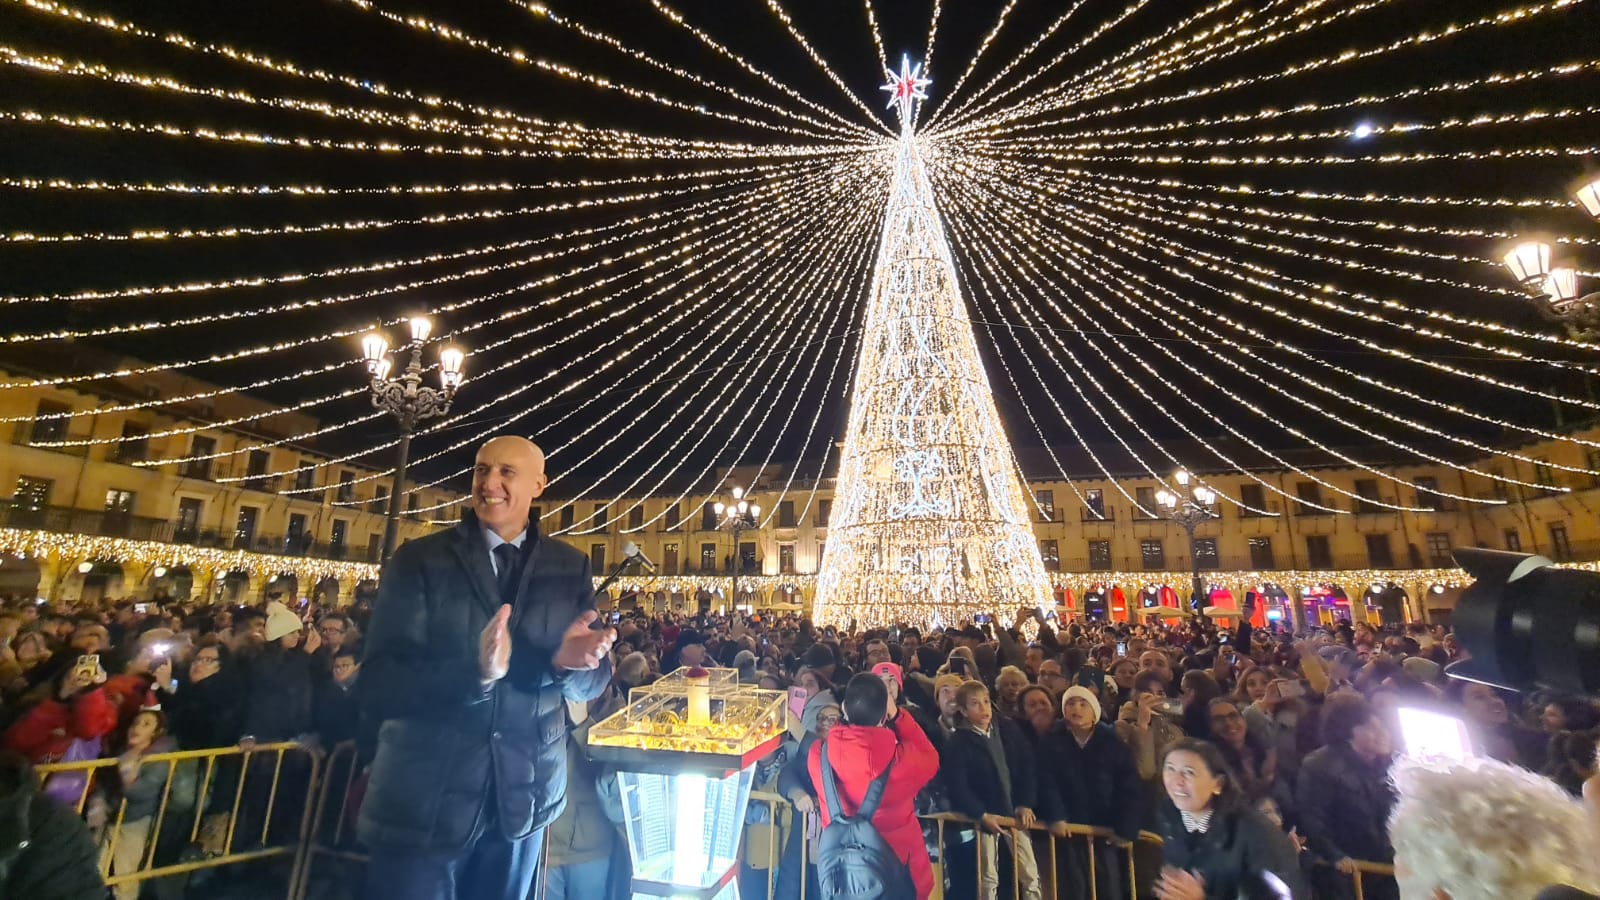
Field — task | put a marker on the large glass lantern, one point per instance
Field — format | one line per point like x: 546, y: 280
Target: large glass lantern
x: 685, y: 748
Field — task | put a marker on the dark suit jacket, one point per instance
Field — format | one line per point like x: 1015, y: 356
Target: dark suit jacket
x: 972, y: 780
x: 446, y: 745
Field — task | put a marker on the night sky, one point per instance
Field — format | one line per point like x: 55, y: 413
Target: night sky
x: 655, y: 412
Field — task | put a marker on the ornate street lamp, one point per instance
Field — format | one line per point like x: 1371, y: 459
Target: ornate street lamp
x: 1188, y: 512
x: 1553, y: 286
x: 410, y: 401
x: 736, y: 518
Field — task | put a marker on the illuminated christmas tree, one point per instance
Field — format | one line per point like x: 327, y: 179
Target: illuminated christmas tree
x: 930, y: 523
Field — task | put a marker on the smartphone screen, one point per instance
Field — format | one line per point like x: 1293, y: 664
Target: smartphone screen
x: 141, y: 608
x: 797, y: 701
x: 1122, y: 648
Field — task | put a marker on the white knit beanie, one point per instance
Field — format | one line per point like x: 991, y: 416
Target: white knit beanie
x: 1086, y: 695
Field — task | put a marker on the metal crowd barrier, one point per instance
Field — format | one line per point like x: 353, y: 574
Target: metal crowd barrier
x: 326, y: 829
x: 224, y: 830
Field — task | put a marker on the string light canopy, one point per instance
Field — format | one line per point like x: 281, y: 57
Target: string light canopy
x: 667, y: 243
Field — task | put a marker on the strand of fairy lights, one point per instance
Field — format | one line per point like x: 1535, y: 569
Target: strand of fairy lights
x: 822, y: 65
x: 1514, y: 16
x: 1323, y: 301
x: 1126, y: 274
x: 972, y: 61
x: 521, y: 57
x: 1082, y: 42
x: 713, y: 213
x: 1123, y: 276
x: 579, y: 143
x: 1016, y: 60
x: 1208, y: 48
x: 193, y: 288
x: 751, y: 248
x: 289, y: 69
x: 877, y: 35
x: 681, y: 248
x: 1023, y: 268
x: 752, y: 259
x: 1217, y: 264
x: 807, y: 286
x: 1302, y: 107
x: 677, y: 18
x: 315, y: 302
x: 540, y: 11
x: 988, y: 264
x: 933, y: 33
x: 287, y: 345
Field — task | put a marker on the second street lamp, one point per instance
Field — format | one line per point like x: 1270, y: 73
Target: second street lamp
x: 1188, y: 512
x: 410, y: 401
x: 737, y: 517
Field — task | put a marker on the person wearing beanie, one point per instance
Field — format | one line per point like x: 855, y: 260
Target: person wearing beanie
x: 1091, y: 780
x: 281, y: 623
x: 745, y: 662
x: 822, y: 712
x: 944, y: 693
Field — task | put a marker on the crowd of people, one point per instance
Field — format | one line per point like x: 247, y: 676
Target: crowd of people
x: 1261, y: 758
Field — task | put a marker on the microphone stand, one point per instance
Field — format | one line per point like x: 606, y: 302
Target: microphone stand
x: 616, y: 572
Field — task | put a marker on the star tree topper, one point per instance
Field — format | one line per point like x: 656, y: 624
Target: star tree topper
x: 906, y: 88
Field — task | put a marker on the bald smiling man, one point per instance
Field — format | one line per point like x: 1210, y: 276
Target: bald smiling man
x: 479, y: 634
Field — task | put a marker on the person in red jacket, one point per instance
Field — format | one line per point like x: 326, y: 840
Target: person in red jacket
x: 873, y: 735
x: 77, y: 710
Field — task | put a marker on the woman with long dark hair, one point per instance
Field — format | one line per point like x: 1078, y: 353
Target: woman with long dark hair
x: 1215, y: 845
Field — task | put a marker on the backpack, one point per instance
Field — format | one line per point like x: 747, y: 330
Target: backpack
x: 853, y: 859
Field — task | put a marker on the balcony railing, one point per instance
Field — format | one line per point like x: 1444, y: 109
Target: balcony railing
x: 103, y: 523
x: 24, y: 434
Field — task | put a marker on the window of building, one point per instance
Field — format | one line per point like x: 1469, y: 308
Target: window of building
x: 187, y: 528
x: 374, y: 547
x: 256, y: 470
x: 1513, y: 540
x: 786, y: 514
x: 1319, y: 555
x: 1261, y: 553
x: 380, y: 499
x: 785, y: 559
x: 244, y: 527
x: 1496, y: 486
x: 201, y: 447
x: 1380, y: 555
x: 347, y: 487
x: 567, y: 514
x: 597, y: 557
x: 1542, y: 474
x: 1594, y: 467
x: 306, y: 478
x: 49, y: 429
x: 1147, y: 507
x: 1254, y: 496
x: 636, y: 518
x: 1426, y: 487
x: 31, y: 494
x: 1205, y: 553
x: 708, y: 558
x: 413, y: 499
x: 1094, y: 503
x: 1100, y: 556
x: 825, y: 509
x: 708, y: 518
x: 1560, y: 547
x: 1438, y: 544
x: 674, y: 517
x: 1309, y: 493
x: 294, y: 537
x: 1046, y: 501
x: 1051, y: 554
x: 1151, y: 555
x: 118, y: 515
x: 669, y: 559
x: 337, y: 535
x: 598, y: 524
x: 1367, y: 491
x: 747, y: 558
x: 134, y: 446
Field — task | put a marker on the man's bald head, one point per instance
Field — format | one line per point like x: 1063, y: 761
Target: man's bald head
x: 506, y: 477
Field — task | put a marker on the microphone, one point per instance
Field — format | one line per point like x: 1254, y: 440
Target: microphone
x: 631, y: 551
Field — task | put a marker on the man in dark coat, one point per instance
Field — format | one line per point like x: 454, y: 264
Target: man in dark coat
x: 46, y: 852
x: 478, y: 635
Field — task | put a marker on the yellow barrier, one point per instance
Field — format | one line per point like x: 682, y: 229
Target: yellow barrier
x: 148, y: 832
x: 1363, y: 869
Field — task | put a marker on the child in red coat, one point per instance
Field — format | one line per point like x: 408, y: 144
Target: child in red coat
x: 875, y: 734
x: 77, y: 710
